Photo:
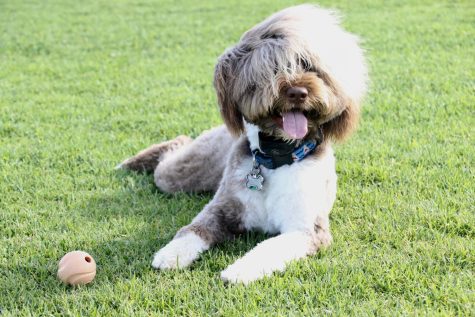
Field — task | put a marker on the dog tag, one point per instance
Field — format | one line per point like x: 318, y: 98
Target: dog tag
x: 254, y: 181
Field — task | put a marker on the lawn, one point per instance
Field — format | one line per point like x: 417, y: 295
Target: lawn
x: 85, y: 84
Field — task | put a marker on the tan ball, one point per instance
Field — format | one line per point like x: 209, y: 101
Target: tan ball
x: 77, y: 267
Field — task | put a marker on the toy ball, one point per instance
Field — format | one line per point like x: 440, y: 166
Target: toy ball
x: 77, y: 268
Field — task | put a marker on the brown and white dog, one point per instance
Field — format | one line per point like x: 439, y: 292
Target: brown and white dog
x: 290, y: 87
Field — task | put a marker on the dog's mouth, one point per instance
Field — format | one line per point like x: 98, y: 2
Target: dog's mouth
x: 294, y: 123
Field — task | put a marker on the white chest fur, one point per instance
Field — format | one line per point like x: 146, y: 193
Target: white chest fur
x: 293, y: 196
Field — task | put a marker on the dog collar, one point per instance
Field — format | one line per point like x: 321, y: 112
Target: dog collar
x: 274, y: 153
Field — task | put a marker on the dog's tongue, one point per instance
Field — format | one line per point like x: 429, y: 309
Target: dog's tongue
x: 295, y: 124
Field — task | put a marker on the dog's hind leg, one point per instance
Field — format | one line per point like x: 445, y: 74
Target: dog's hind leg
x: 198, y: 166
x: 148, y: 159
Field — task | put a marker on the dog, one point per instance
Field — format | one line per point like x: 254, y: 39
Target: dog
x: 287, y: 90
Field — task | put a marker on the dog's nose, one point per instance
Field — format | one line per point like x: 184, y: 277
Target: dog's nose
x: 297, y: 94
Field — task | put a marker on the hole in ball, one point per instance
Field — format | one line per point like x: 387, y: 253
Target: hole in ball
x: 88, y: 259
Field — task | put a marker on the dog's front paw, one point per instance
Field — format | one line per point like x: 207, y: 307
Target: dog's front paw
x: 242, y: 272
x: 179, y: 252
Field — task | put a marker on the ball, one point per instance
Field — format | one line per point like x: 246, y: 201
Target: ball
x: 76, y: 268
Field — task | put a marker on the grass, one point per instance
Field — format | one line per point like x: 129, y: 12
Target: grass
x: 85, y: 84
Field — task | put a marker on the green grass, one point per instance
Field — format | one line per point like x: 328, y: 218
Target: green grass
x: 84, y: 84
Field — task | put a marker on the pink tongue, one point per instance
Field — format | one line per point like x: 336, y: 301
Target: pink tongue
x: 295, y: 124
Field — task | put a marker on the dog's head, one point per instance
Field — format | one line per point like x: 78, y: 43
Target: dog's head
x: 291, y: 74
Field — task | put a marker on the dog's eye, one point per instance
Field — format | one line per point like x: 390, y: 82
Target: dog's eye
x: 251, y: 88
x: 306, y: 65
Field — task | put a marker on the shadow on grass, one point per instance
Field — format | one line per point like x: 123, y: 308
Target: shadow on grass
x: 140, y: 220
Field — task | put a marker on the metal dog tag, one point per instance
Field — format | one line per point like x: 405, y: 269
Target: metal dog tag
x: 254, y: 182
x: 254, y: 179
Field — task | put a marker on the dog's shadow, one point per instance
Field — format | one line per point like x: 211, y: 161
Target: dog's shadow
x: 148, y: 219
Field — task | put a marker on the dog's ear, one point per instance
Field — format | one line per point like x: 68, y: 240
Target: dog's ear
x: 345, y: 123
x: 229, y: 109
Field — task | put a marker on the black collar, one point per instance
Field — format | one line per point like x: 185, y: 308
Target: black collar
x: 276, y: 152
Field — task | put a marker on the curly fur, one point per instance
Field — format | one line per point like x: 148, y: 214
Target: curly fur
x: 277, y: 52
x: 302, y: 46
